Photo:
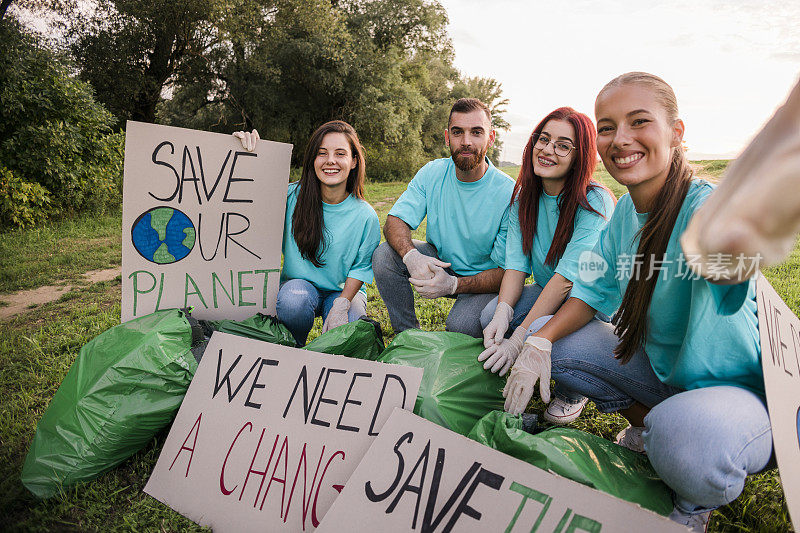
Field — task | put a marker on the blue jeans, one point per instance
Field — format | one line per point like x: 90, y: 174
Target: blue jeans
x: 703, y: 443
x: 299, y: 302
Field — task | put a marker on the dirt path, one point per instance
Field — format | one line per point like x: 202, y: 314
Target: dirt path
x: 19, y: 302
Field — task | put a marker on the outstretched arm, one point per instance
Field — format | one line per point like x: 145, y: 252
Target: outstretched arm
x: 753, y: 217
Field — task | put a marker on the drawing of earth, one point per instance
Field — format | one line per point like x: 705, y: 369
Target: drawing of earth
x: 163, y: 235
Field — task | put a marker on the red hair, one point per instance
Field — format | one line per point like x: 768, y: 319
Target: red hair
x: 577, y: 184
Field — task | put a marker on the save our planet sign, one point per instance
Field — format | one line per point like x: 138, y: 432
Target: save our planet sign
x: 202, y: 222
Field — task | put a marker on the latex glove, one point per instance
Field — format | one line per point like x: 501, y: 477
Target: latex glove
x: 249, y: 140
x: 495, y: 331
x: 441, y: 284
x: 421, y: 266
x: 752, y: 219
x: 337, y: 316
x: 532, y: 364
x: 500, y: 357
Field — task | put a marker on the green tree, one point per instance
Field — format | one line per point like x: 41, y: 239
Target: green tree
x: 131, y: 51
x: 490, y: 92
x: 286, y: 66
x: 57, y: 153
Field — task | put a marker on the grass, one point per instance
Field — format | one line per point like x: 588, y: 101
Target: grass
x: 38, y: 347
x: 59, y: 252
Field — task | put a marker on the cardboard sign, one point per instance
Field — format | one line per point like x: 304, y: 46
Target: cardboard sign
x: 202, y: 222
x: 267, y: 435
x: 418, y: 476
x: 780, y: 360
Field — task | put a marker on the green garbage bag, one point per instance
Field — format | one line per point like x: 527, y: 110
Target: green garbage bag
x: 124, y: 386
x: 362, y: 339
x: 259, y: 326
x: 579, y: 456
x: 456, y: 391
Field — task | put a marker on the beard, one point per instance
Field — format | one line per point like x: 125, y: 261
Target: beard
x: 468, y: 162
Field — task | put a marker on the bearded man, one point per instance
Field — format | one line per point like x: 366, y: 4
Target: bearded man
x: 466, y: 201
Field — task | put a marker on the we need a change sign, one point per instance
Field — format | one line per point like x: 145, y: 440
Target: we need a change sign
x: 268, y: 435
x: 202, y: 222
x: 418, y: 476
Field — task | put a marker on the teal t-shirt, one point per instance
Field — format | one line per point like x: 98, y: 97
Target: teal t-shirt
x: 352, y: 232
x: 699, y: 334
x: 467, y: 222
x: 584, y: 236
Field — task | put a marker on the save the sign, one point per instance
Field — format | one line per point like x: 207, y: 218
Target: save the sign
x: 268, y: 435
x: 780, y: 360
x: 202, y: 222
x: 418, y: 476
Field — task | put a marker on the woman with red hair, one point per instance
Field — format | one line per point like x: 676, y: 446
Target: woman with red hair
x: 557, y: 212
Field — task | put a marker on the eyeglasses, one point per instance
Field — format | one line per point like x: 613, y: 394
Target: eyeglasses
x: 561, y: 148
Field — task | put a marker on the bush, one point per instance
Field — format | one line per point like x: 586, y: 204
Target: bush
x: 21, y: 202
x: 55, y: 139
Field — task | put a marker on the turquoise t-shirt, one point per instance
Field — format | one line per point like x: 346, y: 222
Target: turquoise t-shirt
x: 467, y: 222
x: 699, y: 334
x: 352, y: 232
x: 584, y: 236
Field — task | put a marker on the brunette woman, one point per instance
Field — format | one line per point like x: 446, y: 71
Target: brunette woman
x: 329, y: 235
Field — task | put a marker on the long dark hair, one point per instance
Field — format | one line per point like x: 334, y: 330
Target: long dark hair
x: 577, y: 184
x: 308, y: 226
x: 631, y: 320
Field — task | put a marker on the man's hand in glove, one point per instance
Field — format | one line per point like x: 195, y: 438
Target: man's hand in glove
x: 441, y: 284
x: 422, y: 266
x: 532, y: 365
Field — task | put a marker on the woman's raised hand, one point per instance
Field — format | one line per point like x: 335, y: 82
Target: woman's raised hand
x: 249, y: 140
x: 752, y: 219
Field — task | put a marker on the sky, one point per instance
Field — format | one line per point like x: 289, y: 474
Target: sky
x: 730, y: 63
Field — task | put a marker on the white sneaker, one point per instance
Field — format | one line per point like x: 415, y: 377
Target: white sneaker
x: 562, y: 412
x: 698, y: 523
x: 631, y: 438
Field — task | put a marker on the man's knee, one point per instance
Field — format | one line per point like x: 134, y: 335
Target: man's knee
x: 466, y: 323
x: 487, y: 314
x: 384, y: 258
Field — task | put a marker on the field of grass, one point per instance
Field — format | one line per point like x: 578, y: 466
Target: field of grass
x: 38, y: 347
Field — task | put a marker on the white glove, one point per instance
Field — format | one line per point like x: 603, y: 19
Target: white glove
x: 337, y: 316
x: 249, y: 140
x: 441, y: 284
x: 500, y: 357
x: 421, y: 266
x: 496, y: 329
x: 532, y: 364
